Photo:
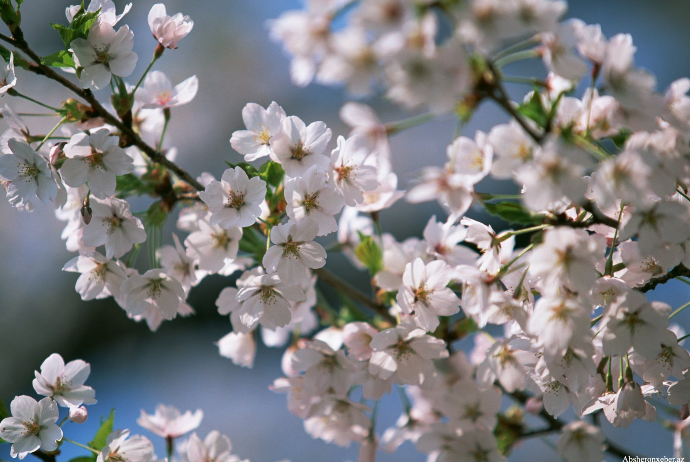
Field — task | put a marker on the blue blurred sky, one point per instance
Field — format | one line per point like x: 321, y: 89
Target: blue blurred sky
x: 236, y: 63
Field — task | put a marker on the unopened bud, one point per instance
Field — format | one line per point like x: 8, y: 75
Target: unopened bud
x: 57, y: 153
x: 533, y: 405
x: 78, y: 414
x: 86, y: 212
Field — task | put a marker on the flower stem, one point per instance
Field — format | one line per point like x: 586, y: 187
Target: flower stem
x: 517, y: 56
x: 51, y: 132
x: 81, y: 445
x: 517, y: 47
x: 166, y: 113
x: 395, y: 127
x: 524, y: 80
x: 679, y: 310
x: 14, y: 92
x: 143, y: 76
x: 170, y: 447
x: 507, y: 235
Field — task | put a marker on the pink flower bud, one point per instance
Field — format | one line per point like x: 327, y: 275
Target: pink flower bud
x: 533, y: 405
x: 78, y: 414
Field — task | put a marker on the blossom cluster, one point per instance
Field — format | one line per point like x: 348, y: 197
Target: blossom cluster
x: 33, y: 425
x: 602, y: 218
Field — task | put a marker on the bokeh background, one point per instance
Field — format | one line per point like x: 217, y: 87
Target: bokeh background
x: 134, y: 369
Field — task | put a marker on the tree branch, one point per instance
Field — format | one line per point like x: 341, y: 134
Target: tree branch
x: 680, y: 270
x: 37, y: 68
x: 334, y: 281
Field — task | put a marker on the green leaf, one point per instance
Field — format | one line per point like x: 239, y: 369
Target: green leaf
x: 465, y: 327
x: 533, y: 109
x: 272, y: 173
x: 620, y: 138
x: 62, y: 58
x: 248, y: 168
x: 4, y: 413
x: 18, y: 60
x: 513, y: 212
x: 156, y: 214
x: 132, y: 185
x: 9, y: 15
x: 99, y: 441
x: 79, y: 27
x: 369, y: 253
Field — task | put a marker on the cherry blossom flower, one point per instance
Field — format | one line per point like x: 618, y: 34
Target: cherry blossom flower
x: 294, y: 251
x: 337, y: 420
x: 240, y: 347
x: 325, y: 370
x: 262, y: 125
x: 266, y: 300
x: 100, y: 278
x: 179, y: 266
x: 113, y: 225
x: 8, y: 79
x: 103, y: 54
x: 158, y: 91
x: 32, y: 426
x: 28, y: 174
x: 107, y: 14
x: 97, y: 160
x: 348, y: 170
x: 581, y: 441
x: 298, y: 146
x: 214, y: 448
x: 169, y: 422
x: 213, y: 246
x: 153, y: 289
x: 308, y: 196
x: 168, y: 30
x: 120, y: 448
x: 357, y: 338
x: 64, y: 382
x: 425, y: 295
x: 405, y: 351
x: 235, y: 199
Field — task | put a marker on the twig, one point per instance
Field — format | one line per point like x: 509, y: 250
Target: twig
x: 333, y: 280
x: 37, y: 68
x: 680, y: 270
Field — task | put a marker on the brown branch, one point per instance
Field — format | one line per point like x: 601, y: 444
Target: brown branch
x: 556, y: 424
x: 334, y: 281
x: 680, y: 270
x: 37, y: 68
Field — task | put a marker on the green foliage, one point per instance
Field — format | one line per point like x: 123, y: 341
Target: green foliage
x: 79, y: 27
x: 4, y: 413
x: 106, y: 428
x: 620, y: 138
x: 156, y: 215
x: 534, y: 110
x: 465, y: 327
x: 83, y: 459
x: 18, y: 60
x: 248, y: 168
x: 253, y: 243
x: 513, y: 212
x: 369, y: 253
x: 62, y: 58
x: 132, y: 185
x: 9, y: 15
x: 272, y: 173
x: 509, y: 429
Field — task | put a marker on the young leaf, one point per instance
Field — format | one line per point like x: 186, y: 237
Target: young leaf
x: 3, y: 410
x: 272, y: 173
x: 132, y: 185
x: 248, y: 169
x: 513, y: 212
x: 83, y: 459
x: 99, y: 441
x: 534, y: 110
x: 369, y: 253
x: 62, y: 58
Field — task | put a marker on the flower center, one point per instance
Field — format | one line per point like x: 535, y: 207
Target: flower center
x: 102, y: 56
x: 113, y: 223
x: 95, y: 159
x: 267, y: 295
x: 100, y: 270
x: 262, y: 137
x: 344, y: 172
x: 221, y: 240
x: 291, y: 249
x: 421, y: 294
x: 32, y: 427
x: 29, y: 171
x: 235, y: 200
x: 311, y: 202
x: 155, y: 288
x: 298, y: 152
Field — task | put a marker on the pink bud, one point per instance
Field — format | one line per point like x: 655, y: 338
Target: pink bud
x: 533, y: 405
x: 78, y: 414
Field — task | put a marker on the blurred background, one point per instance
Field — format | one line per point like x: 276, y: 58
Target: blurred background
x: 134, y: 369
